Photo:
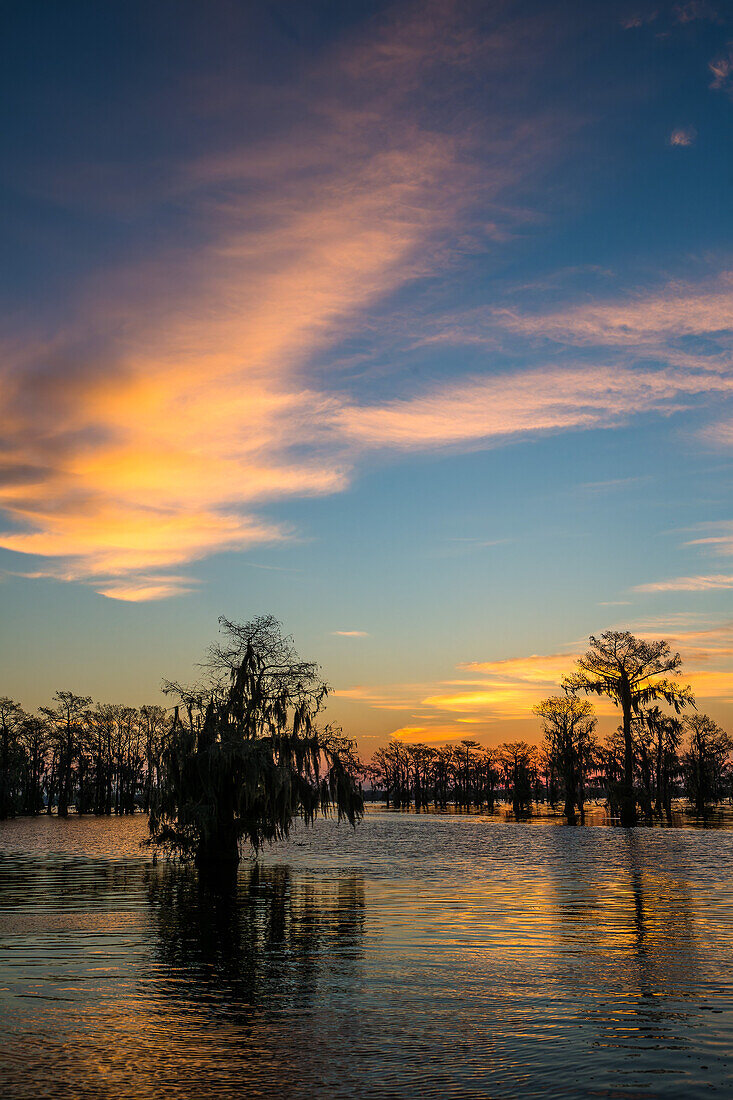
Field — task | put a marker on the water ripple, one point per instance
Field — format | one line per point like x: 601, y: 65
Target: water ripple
x: 418, y: 956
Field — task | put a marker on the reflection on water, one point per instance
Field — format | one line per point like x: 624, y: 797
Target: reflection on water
x: 229, y: 948
x: 418, y: 956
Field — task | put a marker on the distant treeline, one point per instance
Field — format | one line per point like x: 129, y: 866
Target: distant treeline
x: 673, y: 759
x: 107, y: 759
x: 653, y: 757
x: 95, y: 759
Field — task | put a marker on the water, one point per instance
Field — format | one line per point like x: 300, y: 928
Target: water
x: 420, y: 956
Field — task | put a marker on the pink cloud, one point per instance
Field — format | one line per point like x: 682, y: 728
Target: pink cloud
x: 721, y: 69
x: 645, y: 320
x: 689, y: 584
x: 504, y: 406
x: 683, y: 136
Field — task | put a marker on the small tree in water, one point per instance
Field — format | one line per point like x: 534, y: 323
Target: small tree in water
x: 704, y: 763
x: 249, y: 758
x: 568, y: 724
x: 516, y: 761
x: 633, y: 673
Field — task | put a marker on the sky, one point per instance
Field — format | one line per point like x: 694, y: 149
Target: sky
x: 409, y: 323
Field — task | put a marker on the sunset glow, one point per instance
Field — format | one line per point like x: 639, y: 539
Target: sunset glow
x: 417, y: 334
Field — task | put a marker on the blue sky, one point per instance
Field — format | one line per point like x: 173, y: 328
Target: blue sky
x: 410, y: 323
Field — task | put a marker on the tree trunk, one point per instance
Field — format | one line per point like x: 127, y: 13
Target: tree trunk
x: 569, y: 809
x: 660, y: 778
x: 219, y: 852
x: 5, y: 774
x: 627, y: 802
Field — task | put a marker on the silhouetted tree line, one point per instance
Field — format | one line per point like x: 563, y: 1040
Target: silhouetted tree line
x: 653, y: 757
x: 77, y: 755
x: 241, y: 756
x: 465, y: 775
x: 673, y: 759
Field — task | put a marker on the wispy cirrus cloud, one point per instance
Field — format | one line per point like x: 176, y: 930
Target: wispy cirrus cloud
x: 688, y: 584
x: 645, y: 320
x: 502, y: 407
x: 184, y: 394
x: 719, y: 542
x: 720, y: 434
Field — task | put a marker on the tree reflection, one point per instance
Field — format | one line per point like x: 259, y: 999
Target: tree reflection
x: 662, y: 934
x: 626, y: 923
x: 259, y: 940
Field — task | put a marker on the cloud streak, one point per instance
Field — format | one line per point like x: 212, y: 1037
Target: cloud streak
x: 533, y: 402
x: 643, y: 322
x: 689, y: 584
x: 492, y: 693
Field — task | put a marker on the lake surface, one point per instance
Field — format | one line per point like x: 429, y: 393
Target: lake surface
x: 419, y: 956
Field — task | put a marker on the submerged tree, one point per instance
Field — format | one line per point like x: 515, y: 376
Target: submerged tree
x: 658, y: 757
x: 11, y: 720
x: 568, y: 724
x: 516, y: 759
x: 67, y: 723
x: 704, y: 763
x: 633, y: 672
x: 249, y: 758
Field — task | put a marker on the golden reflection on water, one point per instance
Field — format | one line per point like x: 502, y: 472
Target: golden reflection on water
x: 414, y: 957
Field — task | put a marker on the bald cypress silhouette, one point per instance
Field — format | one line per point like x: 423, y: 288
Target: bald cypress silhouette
x: 704, y: 762
x: 632, y: 672
x: 245, y: 756
x: 568, y: 724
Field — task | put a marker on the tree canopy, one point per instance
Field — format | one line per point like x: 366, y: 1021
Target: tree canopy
x: 634, y: 672
x: 248, y: 758
x: 568, y: 724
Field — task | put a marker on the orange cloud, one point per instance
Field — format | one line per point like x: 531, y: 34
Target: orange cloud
x: 535, y: 669
x: 507, y: 690
x: 141, y: 589
x: 706, y: 649
x: 178, y: 399
x: 184, y: 394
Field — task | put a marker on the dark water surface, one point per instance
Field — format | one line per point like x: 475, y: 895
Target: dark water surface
x: 421, y: 956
